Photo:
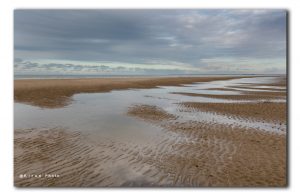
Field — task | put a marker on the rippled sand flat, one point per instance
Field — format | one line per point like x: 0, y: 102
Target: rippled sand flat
x: 168, y: 136
x: 264, y: 111
x: 218, y: 155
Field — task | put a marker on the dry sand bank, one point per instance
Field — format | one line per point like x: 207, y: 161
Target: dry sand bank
x: 53, y: 93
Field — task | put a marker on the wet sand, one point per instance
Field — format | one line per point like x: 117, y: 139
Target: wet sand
x: 210, y: 155
x: 220, y: 155
x: 52, y: 152
x: 65, y: 158
x: 281, y: 82
x: 149, y: 112
x: 53, y: 93
x: 248, y: 91
x: 187, y: 153
x: 245, y: 87
x: 264, y: 111
x: 246, y: 96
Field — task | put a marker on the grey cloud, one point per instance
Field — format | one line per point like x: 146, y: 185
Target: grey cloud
x: 141, y: 36
x: 18, y: 60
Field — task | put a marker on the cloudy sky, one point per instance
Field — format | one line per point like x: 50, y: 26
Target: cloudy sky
x: 149, y: 41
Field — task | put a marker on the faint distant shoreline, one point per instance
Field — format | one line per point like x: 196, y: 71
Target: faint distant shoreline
x: 24, y: 77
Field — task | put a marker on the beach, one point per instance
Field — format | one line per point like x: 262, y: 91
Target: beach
x: 57, y: 92
x: 218, y: 131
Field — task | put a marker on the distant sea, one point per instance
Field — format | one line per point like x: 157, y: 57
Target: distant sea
x: 19, y: 77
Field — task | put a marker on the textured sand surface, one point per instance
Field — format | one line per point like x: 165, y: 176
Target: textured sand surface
x: 81, y: 162
x: 220, y: 155
x: 264, y: 111
x: 203, y: 155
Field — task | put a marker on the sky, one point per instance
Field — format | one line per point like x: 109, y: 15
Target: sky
x: 149, y: 42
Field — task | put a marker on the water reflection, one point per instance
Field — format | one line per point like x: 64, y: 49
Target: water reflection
x: 104, y: 114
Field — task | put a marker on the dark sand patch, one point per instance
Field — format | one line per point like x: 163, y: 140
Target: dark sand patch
x: 150, y: 112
